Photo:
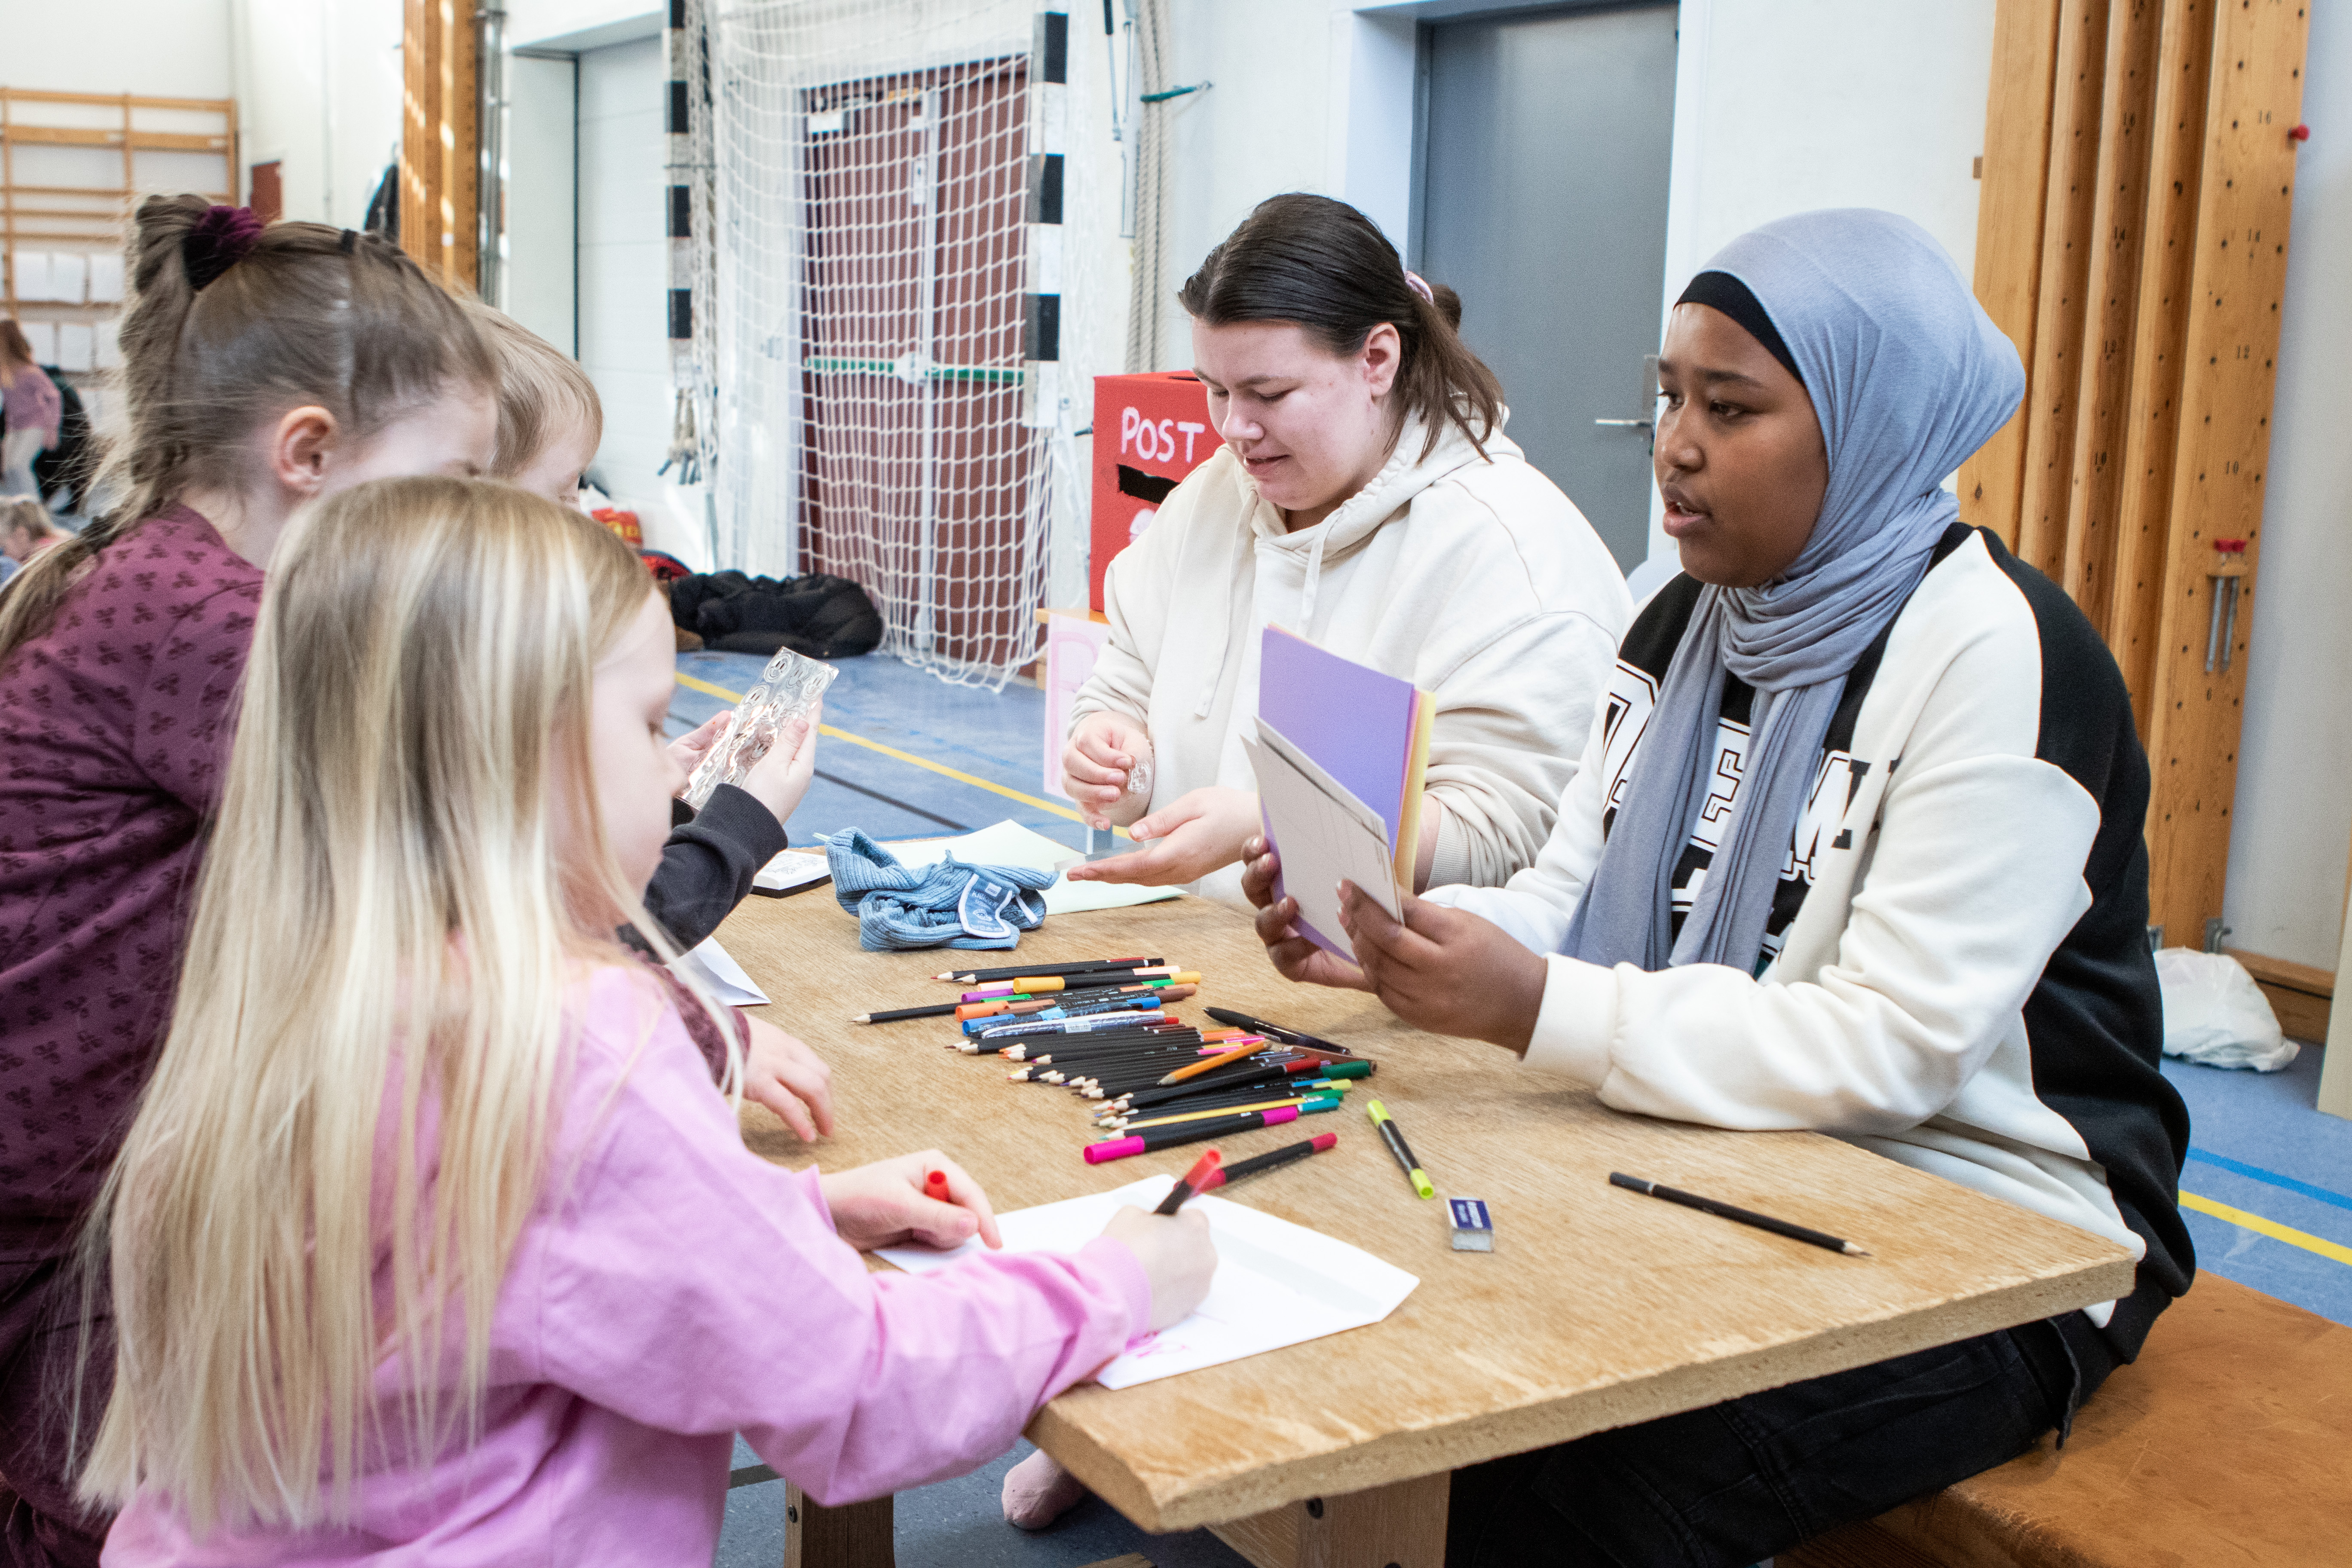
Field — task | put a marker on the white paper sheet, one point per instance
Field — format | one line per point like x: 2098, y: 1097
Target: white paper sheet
x: 792, y: 868
x: 1277, y: 1283
x: 1325, y: 834
x: 1073, y: 644
x: 721, y: 975
x: 41, y: 337
x: 105, y: 278
x: 106, y: 348
x: 1010, y: 844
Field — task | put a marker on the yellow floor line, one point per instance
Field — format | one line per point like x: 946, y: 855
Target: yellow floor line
x: 832, y: 733
x: 2269, y: 1227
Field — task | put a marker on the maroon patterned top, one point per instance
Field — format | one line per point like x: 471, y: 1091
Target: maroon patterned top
x: 114, y: 733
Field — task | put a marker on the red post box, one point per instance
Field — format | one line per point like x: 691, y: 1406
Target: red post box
x: 1150, y: 431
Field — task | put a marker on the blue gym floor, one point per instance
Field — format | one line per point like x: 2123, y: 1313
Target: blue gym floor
x: 966, y: 758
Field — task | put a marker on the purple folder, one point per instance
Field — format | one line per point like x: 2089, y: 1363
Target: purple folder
x: 1357, y: 723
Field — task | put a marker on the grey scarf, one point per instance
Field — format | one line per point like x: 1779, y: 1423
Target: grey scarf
x: 1908, y: 376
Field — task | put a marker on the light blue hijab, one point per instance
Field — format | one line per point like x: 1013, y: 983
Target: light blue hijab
x: 1908, y: 376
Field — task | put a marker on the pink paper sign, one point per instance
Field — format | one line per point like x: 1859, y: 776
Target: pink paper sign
x: 1073, y: 643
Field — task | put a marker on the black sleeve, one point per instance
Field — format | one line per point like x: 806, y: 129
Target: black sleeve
x: 708, y: 863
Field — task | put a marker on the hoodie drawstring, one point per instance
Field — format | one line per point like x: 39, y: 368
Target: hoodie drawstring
x: 1240, y: 542
x: 1314, y: 580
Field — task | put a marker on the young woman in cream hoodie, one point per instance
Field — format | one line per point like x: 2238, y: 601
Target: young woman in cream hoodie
x: 1365, y: 497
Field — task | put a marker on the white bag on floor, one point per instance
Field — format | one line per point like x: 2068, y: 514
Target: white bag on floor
x: 2216, y: 1014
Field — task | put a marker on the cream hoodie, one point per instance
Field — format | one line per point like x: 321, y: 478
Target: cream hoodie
x: 1473, y: 578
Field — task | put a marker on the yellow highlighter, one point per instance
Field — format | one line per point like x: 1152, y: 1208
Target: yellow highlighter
x: 1401, y: 1148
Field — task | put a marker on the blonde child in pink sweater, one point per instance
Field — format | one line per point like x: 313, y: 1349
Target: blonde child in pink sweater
x: 434, y: 1239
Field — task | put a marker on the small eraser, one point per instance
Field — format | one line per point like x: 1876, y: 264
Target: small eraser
x: 1474, y: 1229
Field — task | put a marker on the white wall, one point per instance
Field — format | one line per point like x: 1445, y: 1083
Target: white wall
x: 319, y: 90
x: 2294, y: 812
x: 542, y: 259
x: 178, y: 50
x: 625, y: 260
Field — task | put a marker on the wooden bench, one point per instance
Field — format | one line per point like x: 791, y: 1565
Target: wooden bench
x: 2228, y: 1442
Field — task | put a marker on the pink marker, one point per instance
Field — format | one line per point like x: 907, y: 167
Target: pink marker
x: 1169, y: 1137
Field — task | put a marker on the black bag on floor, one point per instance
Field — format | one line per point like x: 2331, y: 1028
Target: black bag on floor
x: 818, y: 616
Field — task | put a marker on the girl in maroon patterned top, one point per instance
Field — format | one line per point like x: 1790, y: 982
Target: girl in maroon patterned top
x: 262, y: 367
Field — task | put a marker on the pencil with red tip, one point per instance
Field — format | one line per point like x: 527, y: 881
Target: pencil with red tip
x: 1078, y: 968
x: 1199, y: 1179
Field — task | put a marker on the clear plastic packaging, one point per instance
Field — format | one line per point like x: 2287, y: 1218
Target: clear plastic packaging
x: 789, y: 689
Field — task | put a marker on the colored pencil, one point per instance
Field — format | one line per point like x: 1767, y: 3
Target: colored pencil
x: 1721, y: 1210
x: 1035, y: 987
x: 1315, y: 1092
x: 1210, y: 1065
x: 1297, y: 1102
x: 1048, y: 1012
x: 1175, y: 989
x: 1228, y: 1078
x: 1033, y: 983
x: 1032, y: 1052
x: 1190, y: 1133
x: 1078, y: 968
x: 936, y: 1010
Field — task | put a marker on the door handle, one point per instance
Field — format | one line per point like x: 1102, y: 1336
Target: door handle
x: 1649, y: 399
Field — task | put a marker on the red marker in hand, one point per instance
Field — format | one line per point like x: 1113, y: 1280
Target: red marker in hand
x: 935, y: 1186
x: 1204, y: 1175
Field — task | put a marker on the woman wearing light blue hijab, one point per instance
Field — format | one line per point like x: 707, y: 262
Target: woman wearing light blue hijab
x: 1855, y: 845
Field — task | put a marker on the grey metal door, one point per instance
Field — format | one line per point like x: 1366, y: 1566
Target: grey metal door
x: 1547, y: 141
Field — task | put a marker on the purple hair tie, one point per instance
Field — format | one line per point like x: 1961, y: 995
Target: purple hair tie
x: 220, y: 239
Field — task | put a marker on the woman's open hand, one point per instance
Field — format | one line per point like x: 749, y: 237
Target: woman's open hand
x: 1204, y: 829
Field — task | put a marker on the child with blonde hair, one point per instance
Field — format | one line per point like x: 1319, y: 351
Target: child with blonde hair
x: 433, y: 1239
x: 550, y: 420
x: 551, y: 423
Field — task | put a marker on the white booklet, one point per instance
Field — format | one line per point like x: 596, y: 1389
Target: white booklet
x: 1277, y: 1283
x: 1325, y: 832
x: 789, y: 870
x: 721, y: 975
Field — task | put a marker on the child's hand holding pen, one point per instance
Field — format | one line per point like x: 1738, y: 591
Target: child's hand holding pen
x: 924, y: 1198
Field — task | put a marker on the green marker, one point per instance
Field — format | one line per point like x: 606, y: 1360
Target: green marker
x: 1401, y: 1148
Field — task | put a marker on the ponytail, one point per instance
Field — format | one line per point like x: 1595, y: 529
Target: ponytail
x: 1326, y: 266
x: 228, y: 327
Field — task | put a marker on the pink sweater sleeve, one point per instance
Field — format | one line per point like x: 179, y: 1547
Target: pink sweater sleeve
x: 693, y: 1287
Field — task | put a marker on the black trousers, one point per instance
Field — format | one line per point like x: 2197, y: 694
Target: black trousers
x: 1735, y: 1483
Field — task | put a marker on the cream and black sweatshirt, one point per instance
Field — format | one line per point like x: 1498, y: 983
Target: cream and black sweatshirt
x: 1956, y: 972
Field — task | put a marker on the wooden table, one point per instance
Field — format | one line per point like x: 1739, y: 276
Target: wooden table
x: 1597, y: 1308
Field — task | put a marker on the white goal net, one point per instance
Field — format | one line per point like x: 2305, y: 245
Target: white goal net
x: 896, y: 371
